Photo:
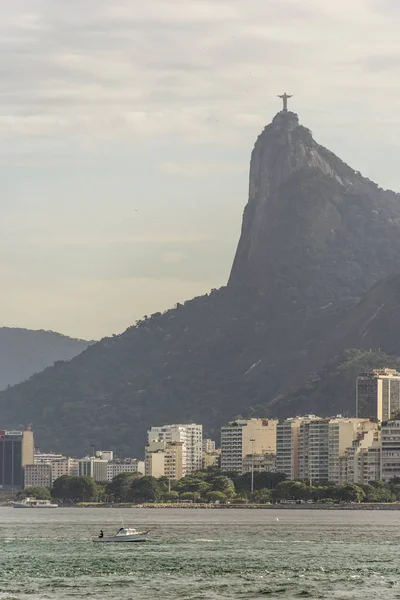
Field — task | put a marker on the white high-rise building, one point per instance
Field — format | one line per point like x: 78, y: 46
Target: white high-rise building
x: 242, y: 437
x: 323, y: 446
x: 390, y: 452
x: 191, y: 436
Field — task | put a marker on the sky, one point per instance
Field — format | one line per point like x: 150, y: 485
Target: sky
x: 126, y: 129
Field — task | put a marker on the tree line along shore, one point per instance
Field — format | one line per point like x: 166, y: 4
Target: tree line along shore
x: 212, y: 488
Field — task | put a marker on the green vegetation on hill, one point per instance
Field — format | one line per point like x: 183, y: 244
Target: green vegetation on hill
x: 208, y: 360
x: 332, y: 391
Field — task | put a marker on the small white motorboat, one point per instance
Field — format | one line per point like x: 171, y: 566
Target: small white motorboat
x: 125, y: 534
x: 34, y: 503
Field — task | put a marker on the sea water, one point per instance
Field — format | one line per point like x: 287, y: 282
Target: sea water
x: 194, y: 554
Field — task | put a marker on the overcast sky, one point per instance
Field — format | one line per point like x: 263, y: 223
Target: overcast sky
x: 126, y: 128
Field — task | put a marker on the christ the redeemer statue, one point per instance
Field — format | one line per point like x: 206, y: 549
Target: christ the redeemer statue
x: 285, y: 97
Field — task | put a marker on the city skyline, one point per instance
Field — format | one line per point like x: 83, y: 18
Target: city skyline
x: 312, y: 449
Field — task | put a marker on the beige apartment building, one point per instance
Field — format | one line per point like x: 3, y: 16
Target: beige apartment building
x: 191, y: 437
x: 378, y: 394
x: 164, y: 459
x: 59, y: 464
x: 362, y: 461
x: 63, y: 466
x: 211, y: 458
x: 341, y: 434
x: 242, y: 437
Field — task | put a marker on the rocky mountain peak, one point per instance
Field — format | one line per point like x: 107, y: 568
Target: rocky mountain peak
x: 304, y: 216
x: 283, y: 148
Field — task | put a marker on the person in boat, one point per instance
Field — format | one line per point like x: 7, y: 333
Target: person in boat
x: 101, y: 533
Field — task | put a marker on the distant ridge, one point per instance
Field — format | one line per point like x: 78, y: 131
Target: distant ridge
x: 316, y: 236
x: 24, y: 352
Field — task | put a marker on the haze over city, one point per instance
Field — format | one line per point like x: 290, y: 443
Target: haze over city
x: 126, y: 130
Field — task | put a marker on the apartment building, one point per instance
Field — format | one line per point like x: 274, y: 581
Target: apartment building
x: 38, y: 475
x: 313, y: 449
x: 362, y: 461
x: 164, y: 459
x: 63, y: 466
x: 378, y: 394
x: 242, y: 437
x: 190, y: 435
x: 323, y: 446
x: 211, y: 459
x: 93, y: 467
x: 341, y: 434
x: 46, y: 457
x: 287, y: 446
x: 116, y: 467
x: 208, y: 445
x: 390, y: 450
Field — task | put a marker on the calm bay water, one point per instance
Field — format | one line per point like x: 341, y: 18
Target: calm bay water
x: 200, y: 554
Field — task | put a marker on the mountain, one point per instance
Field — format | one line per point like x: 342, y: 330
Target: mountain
x: 374, y: 322
x: 315, y: 232
x: 24, y: 352
x: 332, y: 390
x: 316, y: 236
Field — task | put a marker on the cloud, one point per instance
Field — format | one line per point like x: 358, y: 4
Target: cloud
x: 201, y: 169
x: 149, y: 69
x: 172, y: 258
x: 126, y: 129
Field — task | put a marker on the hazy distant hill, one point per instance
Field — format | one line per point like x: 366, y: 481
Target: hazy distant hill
x: 24, y: 352
x: 316, y: 236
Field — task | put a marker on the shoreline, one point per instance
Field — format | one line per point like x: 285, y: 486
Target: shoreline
x: 196, y: 506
